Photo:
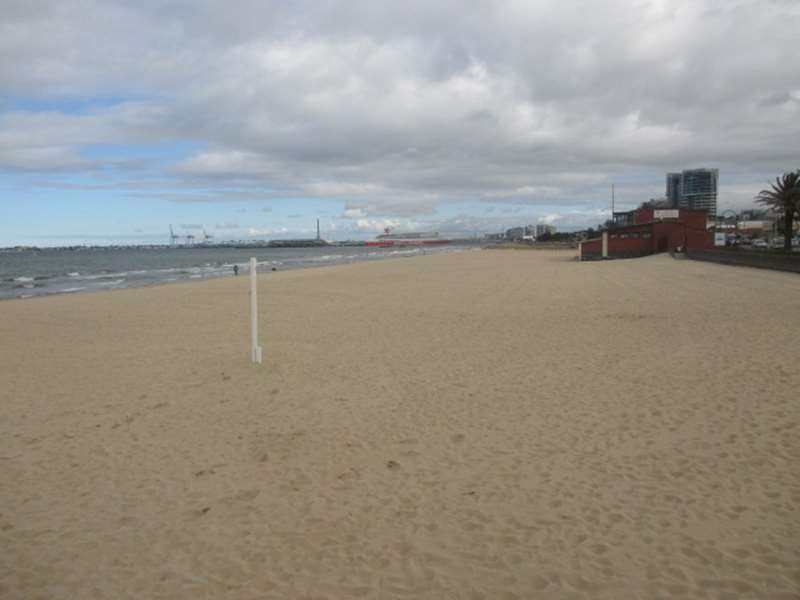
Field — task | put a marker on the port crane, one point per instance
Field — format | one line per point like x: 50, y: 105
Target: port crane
x: 187, y: 239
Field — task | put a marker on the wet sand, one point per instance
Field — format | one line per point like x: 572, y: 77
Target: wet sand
x: 473, y: 425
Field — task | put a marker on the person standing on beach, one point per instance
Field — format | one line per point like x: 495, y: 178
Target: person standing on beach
x: 235, y: 269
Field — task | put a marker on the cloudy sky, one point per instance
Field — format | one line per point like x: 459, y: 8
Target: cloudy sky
x: 253, y: 118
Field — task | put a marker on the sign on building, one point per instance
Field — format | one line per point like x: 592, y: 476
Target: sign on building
x: 669, y: 213
x: 719, y: 238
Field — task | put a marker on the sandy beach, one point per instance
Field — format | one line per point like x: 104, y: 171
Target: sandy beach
x: 475, y: 425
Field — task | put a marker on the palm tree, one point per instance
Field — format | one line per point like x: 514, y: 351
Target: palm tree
x: 784, y: 197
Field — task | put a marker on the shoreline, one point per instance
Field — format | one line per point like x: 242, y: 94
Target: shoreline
x: 242, y: 273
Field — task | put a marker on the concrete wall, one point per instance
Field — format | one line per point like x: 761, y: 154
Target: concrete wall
x: 749, y: 258
x: 617, y: 247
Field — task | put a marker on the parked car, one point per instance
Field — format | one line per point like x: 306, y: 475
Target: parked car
x: 760, y: 244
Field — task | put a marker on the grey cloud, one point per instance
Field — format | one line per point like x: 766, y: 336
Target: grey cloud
x: 395, y: 108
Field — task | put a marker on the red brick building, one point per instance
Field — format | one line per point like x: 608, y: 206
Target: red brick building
x: 648, y: 231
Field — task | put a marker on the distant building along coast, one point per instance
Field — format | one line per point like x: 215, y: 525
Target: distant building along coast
x: 649, y: 230
x: 693, y: 189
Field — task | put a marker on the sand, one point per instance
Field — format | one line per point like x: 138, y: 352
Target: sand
x: 474, y: 425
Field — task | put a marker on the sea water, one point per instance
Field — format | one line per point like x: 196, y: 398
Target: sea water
x: 36, y: 272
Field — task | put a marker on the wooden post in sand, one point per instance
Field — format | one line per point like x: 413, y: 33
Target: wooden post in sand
x: 255, y: 349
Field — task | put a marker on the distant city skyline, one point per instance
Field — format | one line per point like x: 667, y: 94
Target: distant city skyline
x: 253, y: 119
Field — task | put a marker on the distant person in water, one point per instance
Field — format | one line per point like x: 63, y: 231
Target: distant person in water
x: 235, y: 269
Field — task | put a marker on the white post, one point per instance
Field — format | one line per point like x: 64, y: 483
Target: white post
x: 605, y: 244
x: 255, y: 349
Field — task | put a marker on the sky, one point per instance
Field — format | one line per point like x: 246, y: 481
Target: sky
x: 251, y: 119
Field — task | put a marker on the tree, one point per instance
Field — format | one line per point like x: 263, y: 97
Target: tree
x: 784, y: 197
x: 656, y: 203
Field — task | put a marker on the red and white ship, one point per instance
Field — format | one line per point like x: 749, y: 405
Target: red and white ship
x: 387, y: 238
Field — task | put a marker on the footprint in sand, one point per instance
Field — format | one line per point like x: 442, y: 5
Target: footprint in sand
x: 247, y: 495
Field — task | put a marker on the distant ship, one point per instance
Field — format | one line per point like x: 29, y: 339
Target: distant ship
x: 416, y: 238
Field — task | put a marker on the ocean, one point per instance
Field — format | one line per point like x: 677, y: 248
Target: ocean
x: 27, y: 273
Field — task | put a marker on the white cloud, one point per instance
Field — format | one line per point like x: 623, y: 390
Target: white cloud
x: 368, y: 225
x: 379, y: 225
x: 397, y: 108
x: 266, y: 231
x: 550, y: 218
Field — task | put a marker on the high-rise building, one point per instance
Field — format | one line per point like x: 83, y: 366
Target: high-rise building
x: 699, y: 189
x: 695, y: 189
x: 515, y: 233
x: 544, y: 229
x: 673, y: 189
